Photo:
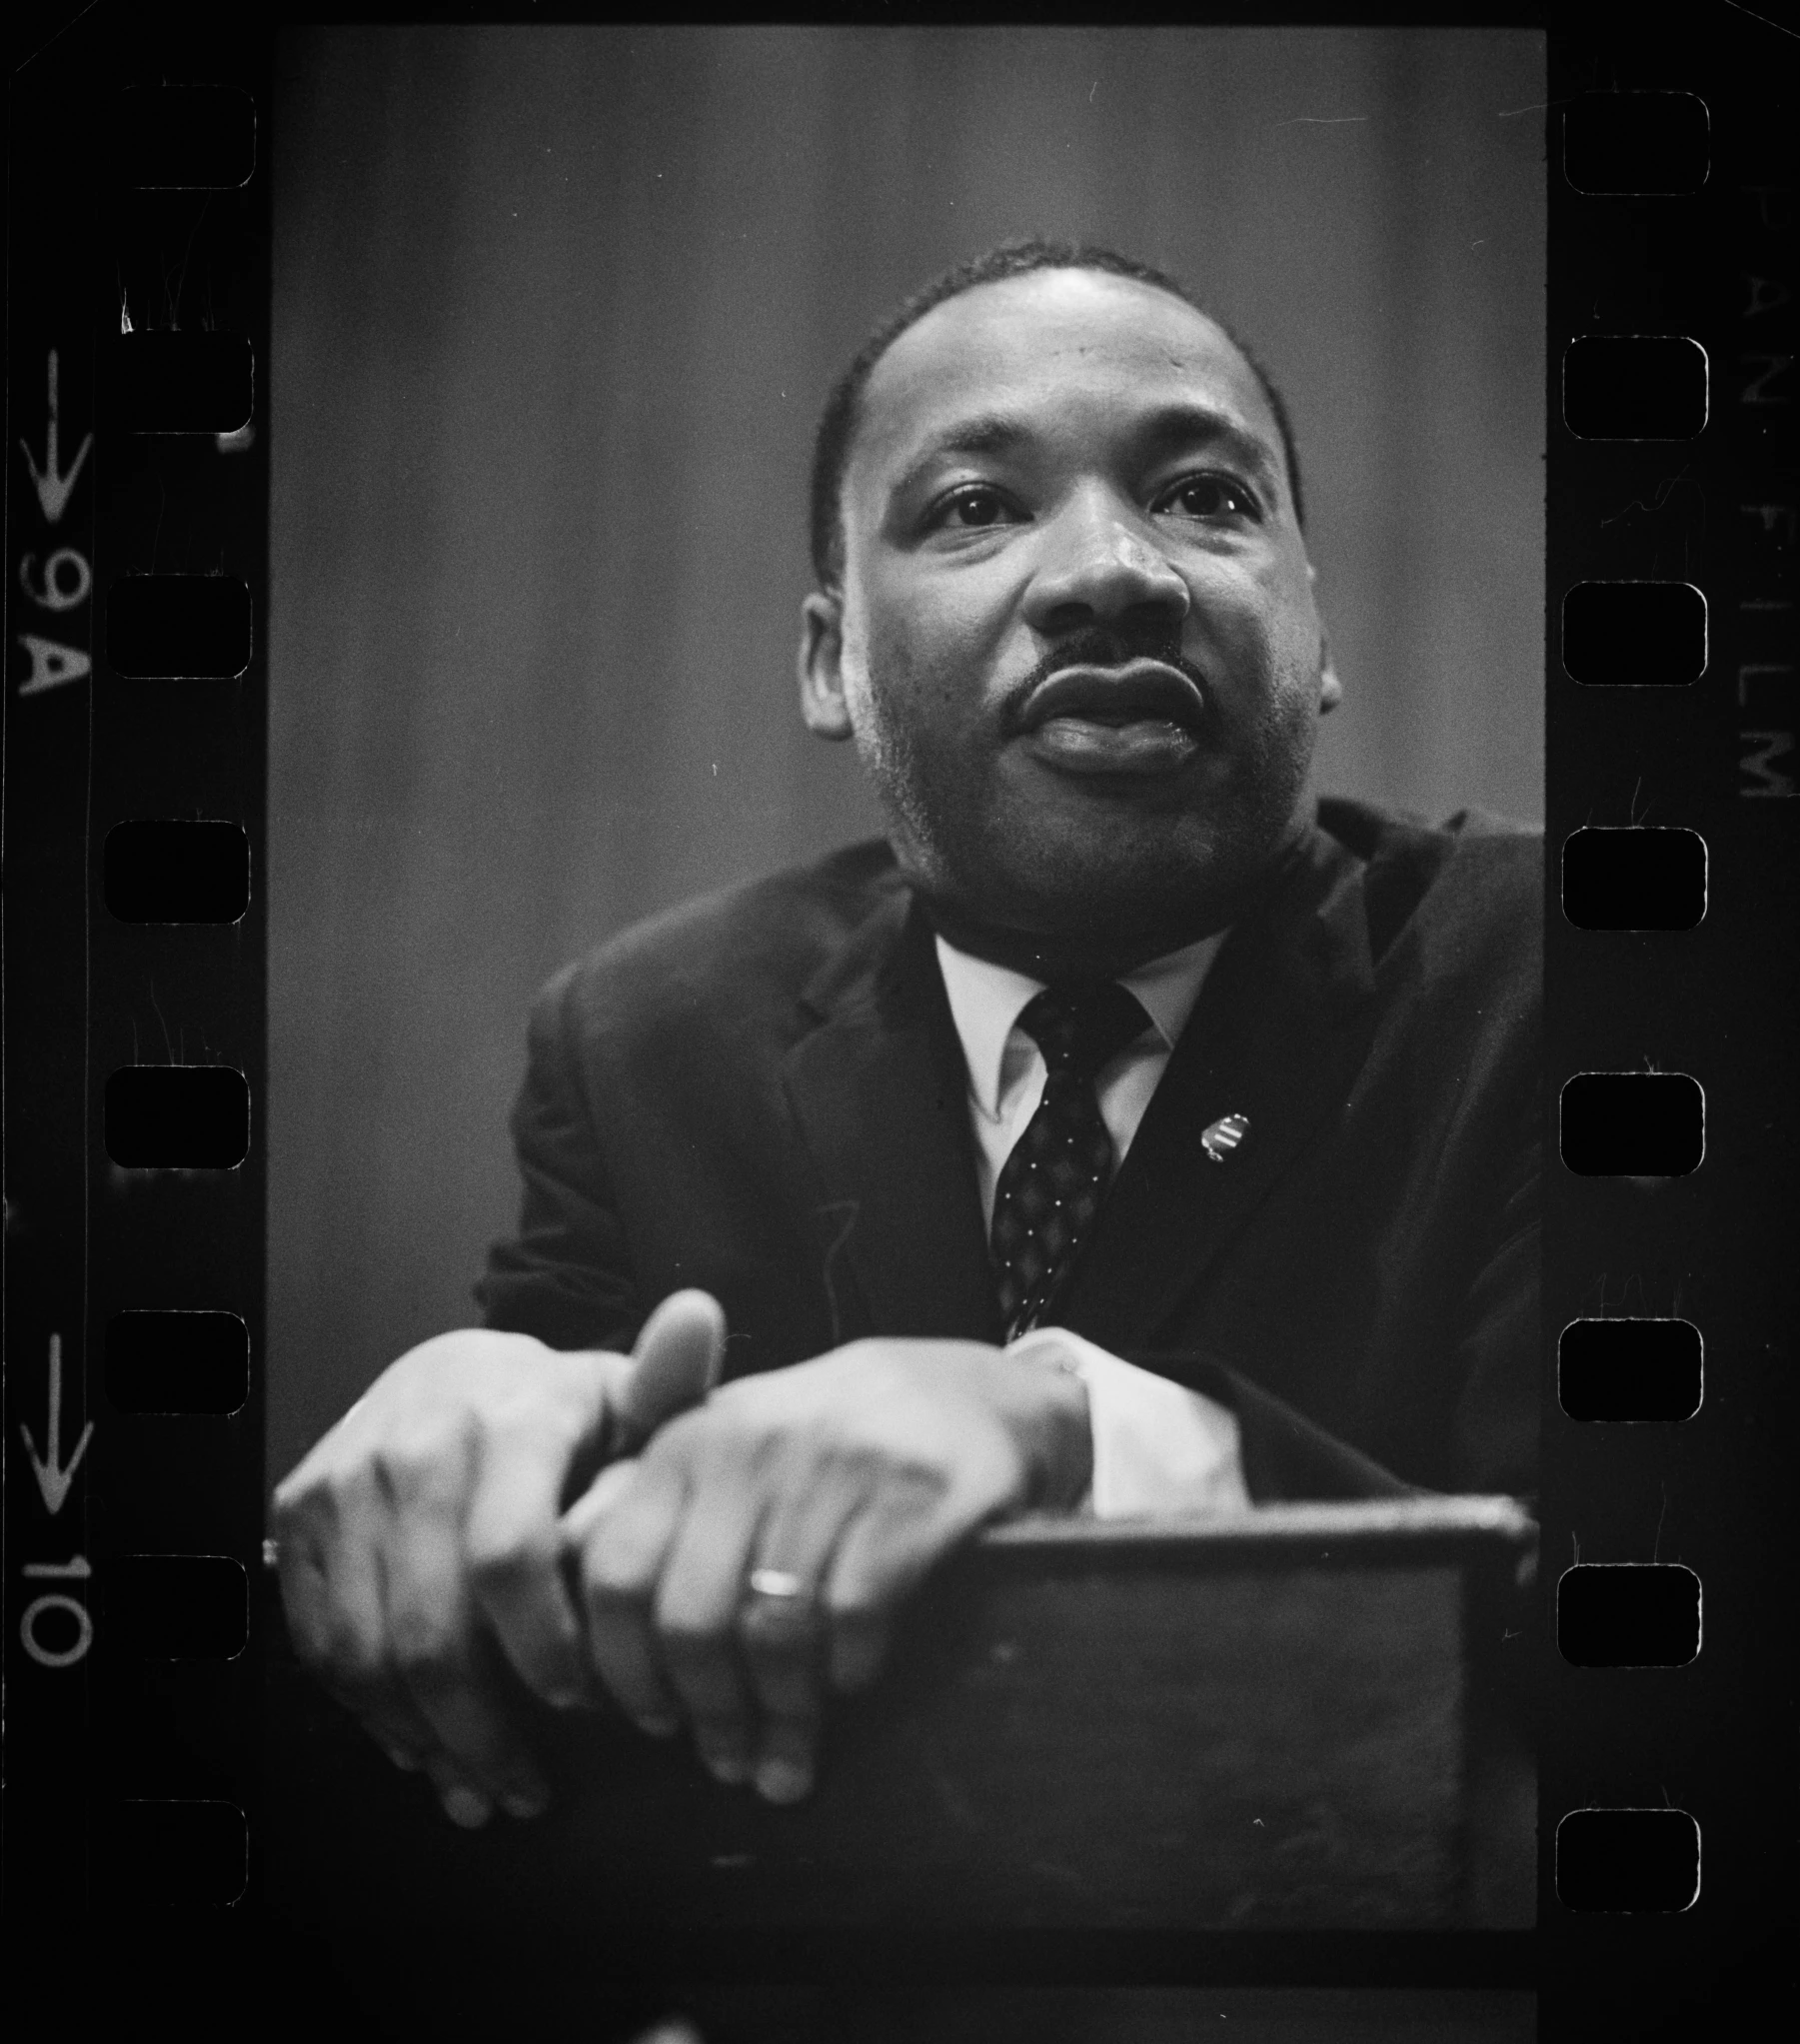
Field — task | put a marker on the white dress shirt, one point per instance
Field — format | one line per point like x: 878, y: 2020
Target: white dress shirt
x: 1157, y: 1447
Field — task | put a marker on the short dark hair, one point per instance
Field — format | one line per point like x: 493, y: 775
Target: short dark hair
x: 838, y: 423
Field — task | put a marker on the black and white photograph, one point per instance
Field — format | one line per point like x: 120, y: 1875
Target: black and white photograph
x: 895, y: 1111
x: 905, y: 986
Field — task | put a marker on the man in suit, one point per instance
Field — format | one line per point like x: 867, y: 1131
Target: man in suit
x: 1127, y: 1133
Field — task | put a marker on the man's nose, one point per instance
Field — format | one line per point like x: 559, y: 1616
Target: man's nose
x: 1098, y: 568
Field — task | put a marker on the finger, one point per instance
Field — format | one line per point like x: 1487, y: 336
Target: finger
x: 856, y: 1648
x: 593, y: 1504
x: 409, y: 1755
x: 462, y: 1803
x: 331, y: 1590
x: 449, y: 1670
x: 330, y: 1583
x: 885, y: 1552
x: 785, y: 1764
x: 626, y: 1535
x: 696, y: 1612
x: 514, y: 1552
x: 674, y: 1364
x: 783, y: 1638
x: 391, y: 1720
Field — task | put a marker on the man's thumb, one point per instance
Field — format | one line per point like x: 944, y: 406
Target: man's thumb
x: 674, y: 1365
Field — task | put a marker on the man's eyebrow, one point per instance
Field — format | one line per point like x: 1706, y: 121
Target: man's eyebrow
x: 980, y: 432
x: 992, y: 433
x: 1191, y: 422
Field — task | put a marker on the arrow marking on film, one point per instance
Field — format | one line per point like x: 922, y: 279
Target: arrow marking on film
x: 53, y: 486
x: 54, y: 1476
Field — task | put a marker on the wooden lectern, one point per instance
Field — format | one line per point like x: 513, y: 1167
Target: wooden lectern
x: 1296, y: 1719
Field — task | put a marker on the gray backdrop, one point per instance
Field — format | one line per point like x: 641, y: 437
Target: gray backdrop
x: 554, y: 311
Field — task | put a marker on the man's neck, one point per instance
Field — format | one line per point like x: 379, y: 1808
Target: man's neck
x: 1110, y: 951
x: 1050, y: 958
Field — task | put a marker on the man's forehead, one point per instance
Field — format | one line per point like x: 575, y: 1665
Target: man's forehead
x: 1027, y: 339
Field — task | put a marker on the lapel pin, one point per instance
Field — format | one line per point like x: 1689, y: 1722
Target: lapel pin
x: 1224, y: 1135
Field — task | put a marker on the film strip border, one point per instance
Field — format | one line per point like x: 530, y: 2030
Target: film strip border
x: 137, y: 507
x: 1672, y: 834
x: 136, y: 1107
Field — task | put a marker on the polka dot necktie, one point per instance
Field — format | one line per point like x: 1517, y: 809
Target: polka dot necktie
x: 1051, y: 1188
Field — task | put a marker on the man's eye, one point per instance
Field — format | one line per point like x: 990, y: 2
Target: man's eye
x: 969, y: 509
x: 1208, y: 497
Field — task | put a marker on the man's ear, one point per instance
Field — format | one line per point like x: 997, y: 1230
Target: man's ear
x: 821, y: 701
x: 1330, y: 689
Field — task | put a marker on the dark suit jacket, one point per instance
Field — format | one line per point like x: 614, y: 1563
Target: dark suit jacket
x: 764, y: 1095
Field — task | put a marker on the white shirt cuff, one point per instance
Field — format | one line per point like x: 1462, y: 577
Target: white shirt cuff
x: 1158, y: 1449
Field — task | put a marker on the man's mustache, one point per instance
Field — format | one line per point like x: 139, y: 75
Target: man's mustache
x: 1097, y: 646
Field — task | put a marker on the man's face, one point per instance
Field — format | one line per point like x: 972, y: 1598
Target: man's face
x: 1075, y: 643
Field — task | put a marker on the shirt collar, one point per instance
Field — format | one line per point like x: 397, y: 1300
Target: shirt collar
x: 987, y: 1001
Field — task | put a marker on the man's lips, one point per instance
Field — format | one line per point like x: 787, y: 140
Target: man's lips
x: 1136, y: 721
x: 1138, y: 691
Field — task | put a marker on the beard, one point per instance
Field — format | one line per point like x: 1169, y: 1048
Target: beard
x: 1024, y: 865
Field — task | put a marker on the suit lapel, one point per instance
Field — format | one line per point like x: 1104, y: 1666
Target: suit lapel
x: 1282, y: 1026
x: 880, y: 1093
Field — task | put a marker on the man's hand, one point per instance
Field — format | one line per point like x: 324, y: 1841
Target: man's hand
x: 419, y: 1543
x: 835, y: 1485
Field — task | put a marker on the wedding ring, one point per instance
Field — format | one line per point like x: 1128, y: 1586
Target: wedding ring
x: 775, y: 1583
x: 780, y: 1614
